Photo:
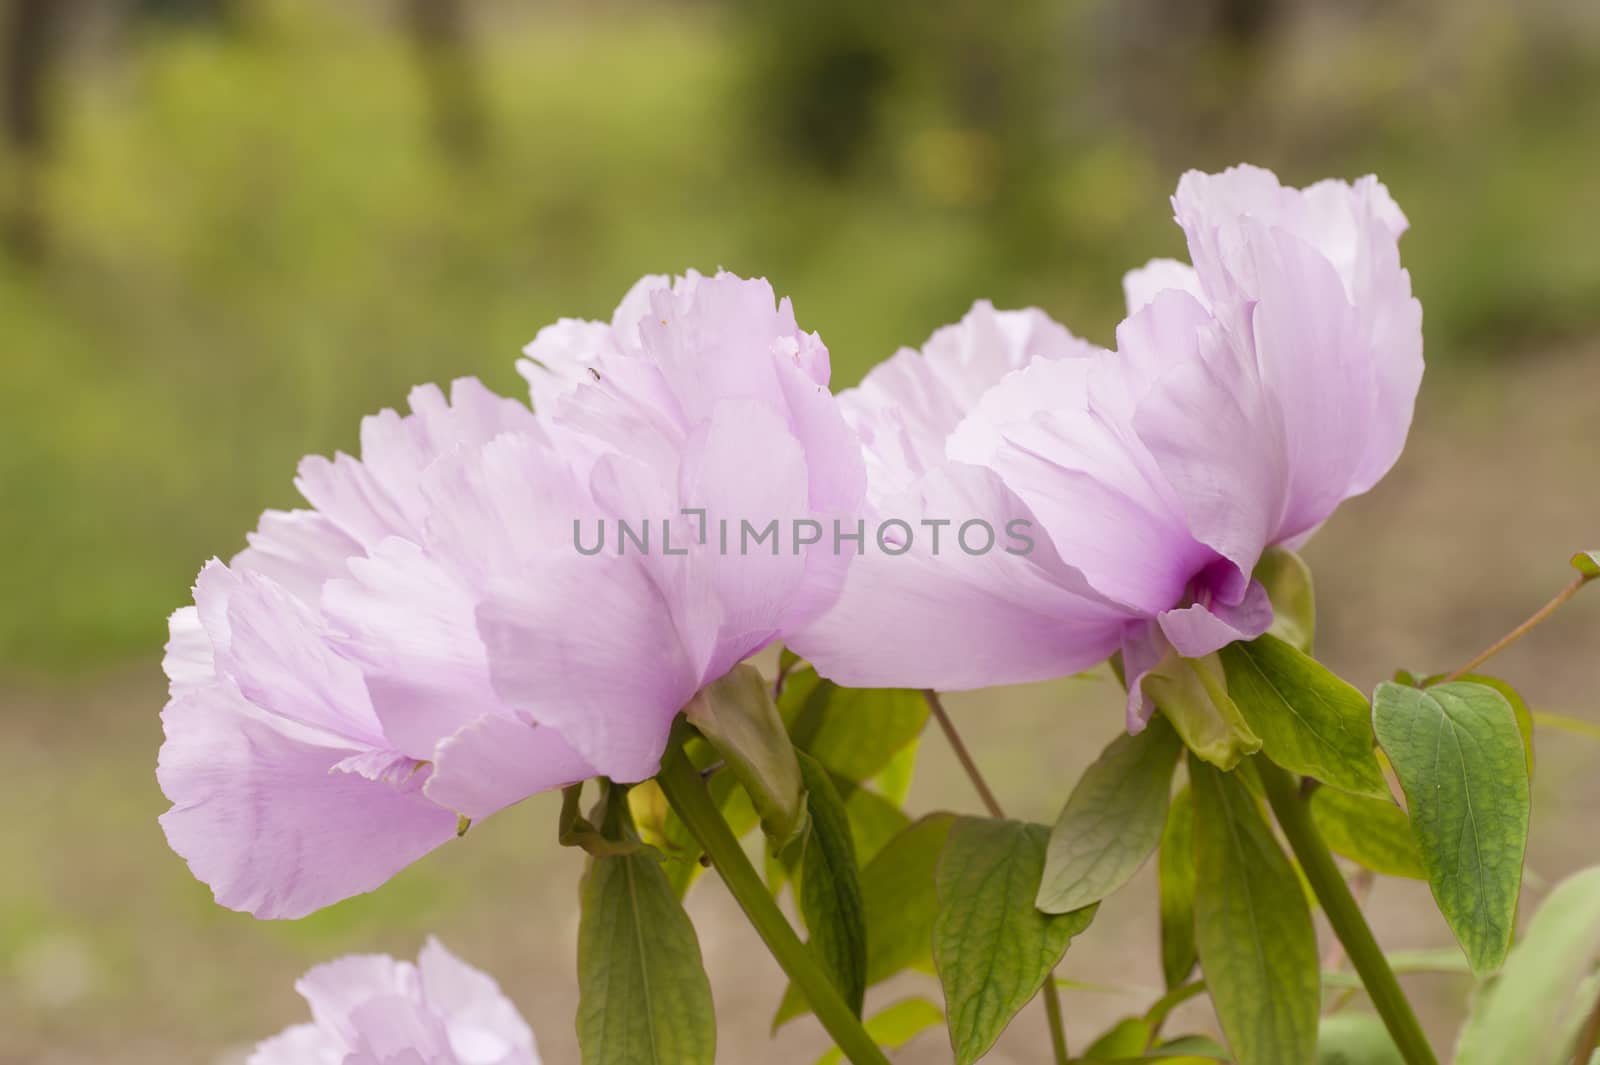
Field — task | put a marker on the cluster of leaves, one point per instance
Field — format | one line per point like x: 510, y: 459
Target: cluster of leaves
x: 989, y: 905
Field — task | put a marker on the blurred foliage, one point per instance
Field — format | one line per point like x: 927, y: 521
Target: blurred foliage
x: 263, y: 227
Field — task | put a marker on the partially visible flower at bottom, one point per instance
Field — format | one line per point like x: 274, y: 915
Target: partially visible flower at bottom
x: 370, y: 1009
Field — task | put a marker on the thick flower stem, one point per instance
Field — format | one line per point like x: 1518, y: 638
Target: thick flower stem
x: 1052, y: 997
x: 687, y: 792
x: 1344, y: 913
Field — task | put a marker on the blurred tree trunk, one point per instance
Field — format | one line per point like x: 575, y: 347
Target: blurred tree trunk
x: 450, y: 76
x: 32, y: 40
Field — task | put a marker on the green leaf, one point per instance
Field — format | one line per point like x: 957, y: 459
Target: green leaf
x: 899, y: 902
x: 1587, y: 563
x: 1519, y: 706
x: 1112, y: 821
x: 643, y: 996
x: 1175, y: 868
x: 1253, y: 928
x: 895, y: 1026
x: 1200, y: 1046
x: 1374, y: 833
x: 874, y: 821
x: 855, y: 732
x: 736, y: 714
x: 1287, y: 580
x: 1459, y: 756
x: 894, y: 782
x: 1356, y: 1039
x: 991, y: 945
x: 1125, y: 1039
x: 1310, y: 722
x: 1156, y: 1016
x: 830, y: 886
x: 1530, y: 1012
x: 1193, y: 695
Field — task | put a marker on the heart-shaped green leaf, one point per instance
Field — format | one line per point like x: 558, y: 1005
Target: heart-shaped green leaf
x: 1519, y: 705
x: 1459, y: 755
x: 1112, y: 821
x: 991, y: 945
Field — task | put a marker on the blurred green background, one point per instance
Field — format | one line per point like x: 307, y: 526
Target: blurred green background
x: 233, y: 227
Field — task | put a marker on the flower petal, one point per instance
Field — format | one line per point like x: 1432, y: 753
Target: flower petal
x: 497, y: 761
x: 299, y: 549
x: 1140, y: 287
x: 1195, y: 631
x: 484, y: 1026
x: 380, y: 495
x: 1218, y: 439
x: 279, y: 657
x: 609, y: 676
x: 411, y: 625
x: 950, y: 619
x: 907, y: 406
x: 261, y: 817
x: 1057, y: 433
x: 303, y: 1044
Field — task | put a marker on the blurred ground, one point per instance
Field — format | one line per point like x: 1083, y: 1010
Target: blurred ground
x: 250, y: 230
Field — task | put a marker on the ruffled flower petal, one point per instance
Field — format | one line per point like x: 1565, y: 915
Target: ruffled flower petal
x: 264, y: 819
x: 369, y: 1009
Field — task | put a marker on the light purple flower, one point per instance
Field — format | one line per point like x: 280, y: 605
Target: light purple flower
x: 918, y: 610
x: 1249, y: 396
x: 715, y: 402
x: 369, y: 1009
x: 429, y: 643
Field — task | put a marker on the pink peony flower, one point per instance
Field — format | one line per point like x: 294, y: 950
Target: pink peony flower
x: 369, y: 1009
x: 919, y: 609
x: 1249, y: 396
x: 430, y: 643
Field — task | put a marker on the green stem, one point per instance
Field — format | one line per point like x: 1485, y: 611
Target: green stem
x: 1344, y: 914
x: 687, y: 792
x: 1058, y: 1027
